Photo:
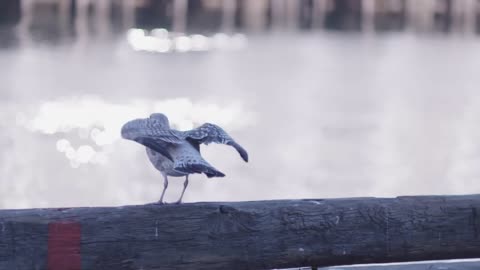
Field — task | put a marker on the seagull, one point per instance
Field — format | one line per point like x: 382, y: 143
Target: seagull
x: 177, y: 153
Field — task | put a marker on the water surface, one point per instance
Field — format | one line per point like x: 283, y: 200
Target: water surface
x: 322, y: 115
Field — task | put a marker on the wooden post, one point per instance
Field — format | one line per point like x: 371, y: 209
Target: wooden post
x: 320, y: 8
x: 26, y: 18
x: 242, y: 235
x: 102, y: 16
x: 292, y: 13
x: 128, y: 13
x: 471, y: 12
x: 228, y: 15
x: 180, y: 10
x: 420, y: 15
x: 464, y: 16
x: 278, y: 9
x: 81, y: 24
x: 254, y: 14
x: 368, y: 16
x: 64, y: 7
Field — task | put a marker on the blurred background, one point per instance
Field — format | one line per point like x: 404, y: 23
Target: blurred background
x: 332, y: 98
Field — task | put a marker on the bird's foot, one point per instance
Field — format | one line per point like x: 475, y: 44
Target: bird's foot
x: 178, y: 202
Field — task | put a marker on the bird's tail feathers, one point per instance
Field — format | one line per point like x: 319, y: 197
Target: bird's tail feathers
x: 196, y: 166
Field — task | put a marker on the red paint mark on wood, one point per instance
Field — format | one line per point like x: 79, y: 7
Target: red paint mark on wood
x: 64, y: 246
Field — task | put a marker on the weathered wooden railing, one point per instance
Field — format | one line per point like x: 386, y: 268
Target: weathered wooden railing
x: 242, y: 235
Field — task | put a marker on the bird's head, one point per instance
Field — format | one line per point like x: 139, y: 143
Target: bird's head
x: 161, y: 118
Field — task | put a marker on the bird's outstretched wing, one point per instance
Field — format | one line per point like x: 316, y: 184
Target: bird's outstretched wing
x: 152, y: 134
x: 208, y: 133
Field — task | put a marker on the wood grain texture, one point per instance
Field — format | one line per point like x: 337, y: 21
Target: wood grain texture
x: 251, y: 235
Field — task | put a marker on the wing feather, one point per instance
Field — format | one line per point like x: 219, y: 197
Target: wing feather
x: 152, y: 134
x: 208, y: 133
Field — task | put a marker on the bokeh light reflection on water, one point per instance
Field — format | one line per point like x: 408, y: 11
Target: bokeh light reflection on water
x: 100, y: 122
x: 161, y: 41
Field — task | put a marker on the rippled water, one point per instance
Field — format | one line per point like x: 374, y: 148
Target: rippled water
x: 322, y: 115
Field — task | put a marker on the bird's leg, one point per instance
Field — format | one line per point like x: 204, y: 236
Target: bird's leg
x: 165, y: 185
x: 185, y: 184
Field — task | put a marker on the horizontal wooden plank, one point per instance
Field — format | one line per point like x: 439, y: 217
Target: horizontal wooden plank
x: 246, y: 235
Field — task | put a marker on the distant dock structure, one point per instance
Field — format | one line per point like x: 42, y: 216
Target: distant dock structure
x: 101, y: 17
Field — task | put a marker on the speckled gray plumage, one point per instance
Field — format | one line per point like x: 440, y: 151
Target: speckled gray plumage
x: 177, y: 153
